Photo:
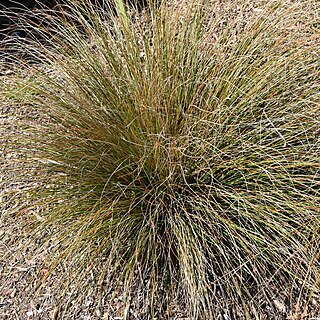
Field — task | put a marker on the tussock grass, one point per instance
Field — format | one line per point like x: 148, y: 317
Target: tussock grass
x: 176, y: 158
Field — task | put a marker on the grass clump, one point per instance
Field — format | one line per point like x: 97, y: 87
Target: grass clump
x: 178, y: 158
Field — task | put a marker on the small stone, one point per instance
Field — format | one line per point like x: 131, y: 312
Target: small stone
x: 29, y: 313
x: 13, y: 293
x: 279, y: 305
x: 88, y: 303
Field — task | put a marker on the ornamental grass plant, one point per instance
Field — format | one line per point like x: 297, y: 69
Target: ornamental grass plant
x: 175, y: 158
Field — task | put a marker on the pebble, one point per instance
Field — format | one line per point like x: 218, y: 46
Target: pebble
x: 29, y: 313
